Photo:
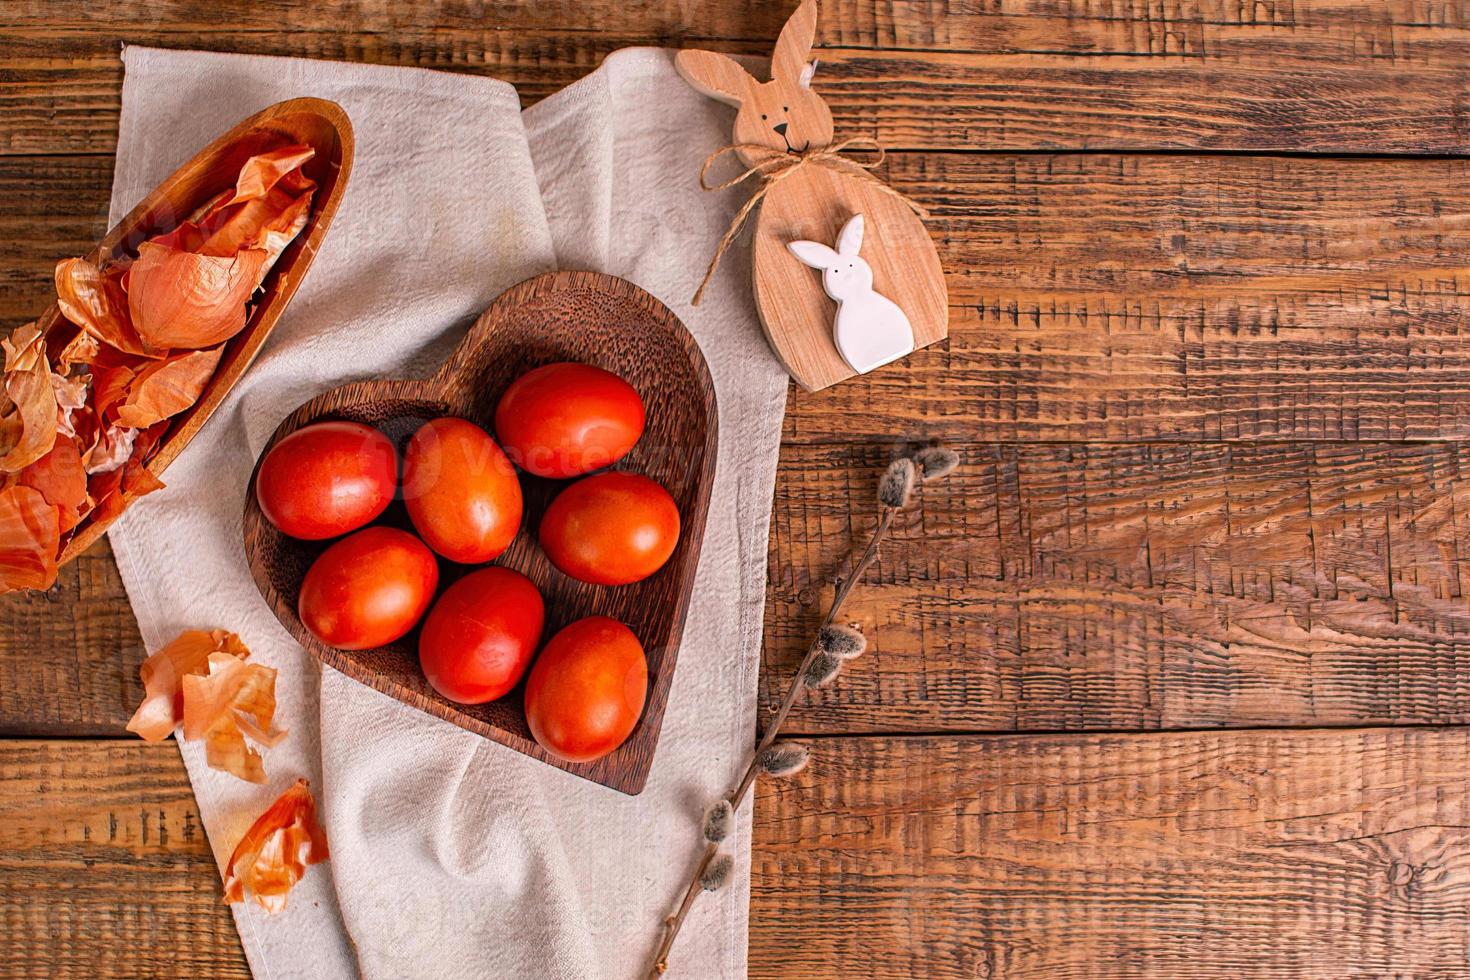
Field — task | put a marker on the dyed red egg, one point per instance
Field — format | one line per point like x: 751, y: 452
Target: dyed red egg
x: 586, y: 690
x: 480, y: 636
x: 461, y: 491
x: 566, y: 419
x: 326, y: 479
x: 368, y: 589
x: 611, y: 529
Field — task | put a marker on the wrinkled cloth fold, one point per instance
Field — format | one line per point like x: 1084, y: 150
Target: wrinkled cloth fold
x: 454, y: 857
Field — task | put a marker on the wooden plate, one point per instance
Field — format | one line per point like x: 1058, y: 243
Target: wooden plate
x: 315, y: 122
x: 561, y: 316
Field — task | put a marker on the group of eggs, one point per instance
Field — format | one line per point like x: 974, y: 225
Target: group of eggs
x: 460, y: 488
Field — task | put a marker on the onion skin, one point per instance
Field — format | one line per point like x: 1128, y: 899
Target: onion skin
x: 140, y: 340
x: 97, y: 303
x: 179, y: 299
x: 29, y: 539
x: 165, y: 388
x: 28, y: 409
x: 276, y: 851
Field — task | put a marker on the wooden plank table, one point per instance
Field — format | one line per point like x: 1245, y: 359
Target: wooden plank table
x: 1170, y: 681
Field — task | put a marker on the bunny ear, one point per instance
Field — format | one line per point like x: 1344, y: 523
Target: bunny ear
x: 795, y: 44
x: 850, y: 238
x: 814, y: 254
x: 716, y: 75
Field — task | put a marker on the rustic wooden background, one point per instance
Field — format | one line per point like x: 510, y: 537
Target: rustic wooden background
x: 1167, y: 682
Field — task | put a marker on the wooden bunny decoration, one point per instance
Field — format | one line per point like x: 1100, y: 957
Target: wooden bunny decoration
x: 870, y: 330
x: 783, y: 132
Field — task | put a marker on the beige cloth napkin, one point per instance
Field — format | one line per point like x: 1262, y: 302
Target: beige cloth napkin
x: 454, y: 857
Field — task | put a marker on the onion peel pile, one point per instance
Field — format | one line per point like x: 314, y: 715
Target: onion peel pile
x: 276, y: 851
x: 203, y: 680
x: 163, y: 676
x: 84, y: 407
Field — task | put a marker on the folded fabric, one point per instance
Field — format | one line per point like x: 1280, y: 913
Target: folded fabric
x: 453, y: 856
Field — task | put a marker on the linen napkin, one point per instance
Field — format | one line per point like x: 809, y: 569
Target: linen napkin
x: 453, y: 856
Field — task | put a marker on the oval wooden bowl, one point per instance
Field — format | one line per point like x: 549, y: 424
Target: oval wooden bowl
x: 317, y: 123
x: 561, y: 316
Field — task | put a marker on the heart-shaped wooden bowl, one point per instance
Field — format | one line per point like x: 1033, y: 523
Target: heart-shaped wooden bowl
x: 561, y: 316
x: 317, y: 123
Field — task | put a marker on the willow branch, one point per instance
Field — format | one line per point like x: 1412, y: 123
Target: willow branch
x: 844, y: 587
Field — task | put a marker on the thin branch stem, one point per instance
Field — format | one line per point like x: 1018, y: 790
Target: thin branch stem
x: 844, y: 587
x: 673, y: 923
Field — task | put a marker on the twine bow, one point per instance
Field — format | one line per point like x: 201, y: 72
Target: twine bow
x: 776, y: 167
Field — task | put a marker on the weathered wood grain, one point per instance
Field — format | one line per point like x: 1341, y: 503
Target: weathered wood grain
x: 1099, y: 301
x: 1127, y: 587
x: 1094, y: 297
x: 1415, y: 30
x: 105, y: 871
x: 1262, y: 854
x: 1124, y: 298
x: 69, y: 656
x: 49, y: 210
x: 1317, y: 75
x: 1252, y: 854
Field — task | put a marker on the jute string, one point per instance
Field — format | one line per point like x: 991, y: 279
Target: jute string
x: 777, y: 166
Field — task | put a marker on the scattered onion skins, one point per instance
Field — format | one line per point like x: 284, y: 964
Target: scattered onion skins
x: 380, y: 574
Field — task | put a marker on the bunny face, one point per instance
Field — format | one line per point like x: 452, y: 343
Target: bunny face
x: 840, y: 282
x: 783, y: 114
x: 788, y: 118
x: 844, y: 277
x: 844, y: 273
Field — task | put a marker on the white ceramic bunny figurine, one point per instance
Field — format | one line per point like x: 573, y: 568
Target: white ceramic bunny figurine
x: 870, y: 329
